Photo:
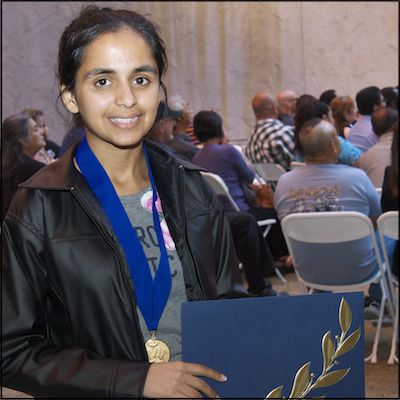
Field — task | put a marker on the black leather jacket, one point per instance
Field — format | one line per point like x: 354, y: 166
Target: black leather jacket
x: 70, y: 327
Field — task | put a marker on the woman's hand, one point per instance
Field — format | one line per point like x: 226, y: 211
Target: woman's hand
x: 180, y: 379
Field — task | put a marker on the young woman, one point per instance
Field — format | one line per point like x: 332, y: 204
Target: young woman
x: 344, y: 114
x: 52, y: 150
x: 21, y: 140
x: 102, y: 247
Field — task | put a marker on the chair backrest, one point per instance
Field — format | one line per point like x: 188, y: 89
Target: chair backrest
x: 269, y: 171
x: 219, y: 187
x: 332, y: 248
x: 388, y: 224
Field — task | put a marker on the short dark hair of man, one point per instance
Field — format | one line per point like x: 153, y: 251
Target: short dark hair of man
x: 391, y: 95
x: 383, y: 120
x: 207, y: 125
x: 327, y: 96
x: 367, y: 98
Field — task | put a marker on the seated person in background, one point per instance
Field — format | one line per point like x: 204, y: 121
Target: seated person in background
x: 224, y: 160
x: 252, y: 251
x: 162, y: 130
x: 271, y: 141
x: 181, y: 141
x: 312, y: 108
x: 52, y: 148
x: 324, y: 185
x: 328, y: 96
x: 21, y: 140
x: 361, y: 134
x: 344, y: 114
x: 391, y: 96
x: 287, y: 106
x: 377, y: 158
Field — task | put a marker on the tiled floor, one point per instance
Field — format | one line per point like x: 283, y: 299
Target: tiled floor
x: 381, y: 379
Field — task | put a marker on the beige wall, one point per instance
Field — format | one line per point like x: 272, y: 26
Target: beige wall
x: 220, y: 53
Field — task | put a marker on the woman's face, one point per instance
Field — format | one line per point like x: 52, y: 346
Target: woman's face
x: 35, y: 141
x: 117, y: 90
x: 350, y: 115
x: 42, y: 124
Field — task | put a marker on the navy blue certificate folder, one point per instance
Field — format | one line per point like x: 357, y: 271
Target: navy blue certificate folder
x: 260, y: 343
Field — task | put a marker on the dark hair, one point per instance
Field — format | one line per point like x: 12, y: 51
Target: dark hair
x: 327, y: 96
x: 383, y: 120
x: 207, y: 125
x: 304, y: 98
x: 367, y: 98
x: 312, y: 108
x: 391, y: 96
x: 394, y: 168
x: 13, y: 129
x: 93, y: 22
x: 32, y: 112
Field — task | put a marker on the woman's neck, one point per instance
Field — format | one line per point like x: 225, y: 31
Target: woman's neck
x: 126, y: 168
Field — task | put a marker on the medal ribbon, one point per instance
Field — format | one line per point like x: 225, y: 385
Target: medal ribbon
x: 151, y: 294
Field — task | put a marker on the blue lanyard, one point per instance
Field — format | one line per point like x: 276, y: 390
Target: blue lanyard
x: 151, y: 294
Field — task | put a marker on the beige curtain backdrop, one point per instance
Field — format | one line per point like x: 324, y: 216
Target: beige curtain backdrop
x: 220, y: 53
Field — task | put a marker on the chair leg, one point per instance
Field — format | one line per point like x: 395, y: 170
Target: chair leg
x: 393, y: 358
x: 280, y: 276
x: 373, y: 357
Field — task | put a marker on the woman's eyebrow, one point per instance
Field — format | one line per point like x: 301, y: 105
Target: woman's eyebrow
x: 101, y: 71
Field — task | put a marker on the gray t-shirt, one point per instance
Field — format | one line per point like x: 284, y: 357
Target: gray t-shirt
x: 139, y: 210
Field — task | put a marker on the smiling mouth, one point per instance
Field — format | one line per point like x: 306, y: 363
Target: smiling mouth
x: 124, y: 122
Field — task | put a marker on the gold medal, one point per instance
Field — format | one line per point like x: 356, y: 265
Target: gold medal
x: 157, y: 350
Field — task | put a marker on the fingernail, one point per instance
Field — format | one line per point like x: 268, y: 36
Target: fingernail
x: 224, y: 378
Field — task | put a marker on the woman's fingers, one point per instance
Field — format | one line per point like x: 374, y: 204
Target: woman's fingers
x: 177, y: 379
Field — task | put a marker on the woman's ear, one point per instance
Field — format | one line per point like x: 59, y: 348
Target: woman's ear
x: 68, y: 98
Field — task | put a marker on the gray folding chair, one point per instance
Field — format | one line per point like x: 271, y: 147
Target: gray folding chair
x: 310, y: 233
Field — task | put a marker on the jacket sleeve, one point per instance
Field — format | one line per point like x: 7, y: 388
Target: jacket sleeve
x: 31, y: 361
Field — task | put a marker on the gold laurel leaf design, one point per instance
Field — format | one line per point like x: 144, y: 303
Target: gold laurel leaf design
x: 344, y: 316
x: 331, y: 378
x: 348, y: 343
x: 275, y: 393
x: 328, y: 349
x: 301, y: 380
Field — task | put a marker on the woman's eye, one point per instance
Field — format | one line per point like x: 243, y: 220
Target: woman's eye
x: 142, y: 81
x: 102, y: 82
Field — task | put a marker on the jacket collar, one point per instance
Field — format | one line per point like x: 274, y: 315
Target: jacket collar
x: 62, y: 174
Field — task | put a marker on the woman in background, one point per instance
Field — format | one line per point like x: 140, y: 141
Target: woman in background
x: 52, y: 149
x: 344, y: 114
x: 21, y: 140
